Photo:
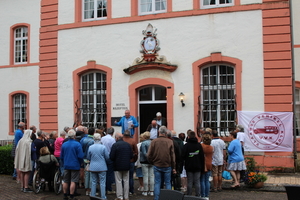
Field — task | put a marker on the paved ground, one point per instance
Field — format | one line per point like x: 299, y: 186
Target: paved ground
x: 273, y: 190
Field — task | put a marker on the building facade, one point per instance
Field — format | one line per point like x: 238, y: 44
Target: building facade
x: 66, y: 63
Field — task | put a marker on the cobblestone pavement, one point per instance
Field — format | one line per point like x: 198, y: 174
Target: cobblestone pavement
x: 273, y: 190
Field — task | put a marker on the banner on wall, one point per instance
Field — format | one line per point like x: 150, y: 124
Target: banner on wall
x: 267, y: 131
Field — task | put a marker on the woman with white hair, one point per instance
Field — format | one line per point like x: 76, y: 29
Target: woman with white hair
x: 98, y: 157
x: 23, y: 160
x: 57, y: 148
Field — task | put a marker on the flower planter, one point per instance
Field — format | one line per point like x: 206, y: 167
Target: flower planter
x: 258, y: 185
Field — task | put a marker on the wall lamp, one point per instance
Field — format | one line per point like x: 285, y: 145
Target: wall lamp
x: 181, y: 95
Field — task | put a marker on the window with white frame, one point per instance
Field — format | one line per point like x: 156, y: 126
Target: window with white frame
x: 94, y: 9
x: 297, y: 110
x: 218, y: 98
x: 19, y: 110
x: 93, y: 99
x: 20, y: 45
x: 216, y: 3
x: 152, y: 6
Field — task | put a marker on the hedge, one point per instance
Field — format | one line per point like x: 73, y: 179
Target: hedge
x: 7, y: 161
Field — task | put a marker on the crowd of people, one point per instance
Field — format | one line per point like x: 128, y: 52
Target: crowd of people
x: 88, y: 157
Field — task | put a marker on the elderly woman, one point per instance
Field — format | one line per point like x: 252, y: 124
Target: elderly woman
x: 23, y: 160
x: 50, y: 162
x: 147, y: 168
x: 57, y: 147
x: 208, y: 153
x: 236, y: 162
x: 98, y: 156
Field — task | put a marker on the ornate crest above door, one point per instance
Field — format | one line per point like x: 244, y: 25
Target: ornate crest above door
x: 150, y: 58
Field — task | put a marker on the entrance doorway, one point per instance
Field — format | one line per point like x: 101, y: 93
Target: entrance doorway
x: 152, y: 99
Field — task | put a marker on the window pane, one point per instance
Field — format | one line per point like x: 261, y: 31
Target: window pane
x: 145, y: 94
x: 19, y: 109
x: 160, y: 93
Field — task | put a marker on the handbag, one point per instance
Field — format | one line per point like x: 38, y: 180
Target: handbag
x: 226, y: 175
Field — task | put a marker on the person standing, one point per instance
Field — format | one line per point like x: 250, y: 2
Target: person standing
x: 217, y: 161
x: 108, y: 141
x: 33, y: 135
x: 86, y: 142
x: 98, y: 156
x: 241, y: 137
x: 121, y: 154
x: 23, y: 160
x: 161, y: 154
x: 147, y: 168
x: 133, y: 144
x: 193, y: 158
x: 208, y: 152
x: 18, y: 135
x: 160, y: 120
x: 236, y: 162
x: 153, y: 129
x: 128, y: 122
x: 72, y: 157
x: 57, y: 148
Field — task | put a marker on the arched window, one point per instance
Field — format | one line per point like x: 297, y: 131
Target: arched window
x: 93, y: 99
x: 19, y: 110
x: 218, y: 104
x: 21, y: 45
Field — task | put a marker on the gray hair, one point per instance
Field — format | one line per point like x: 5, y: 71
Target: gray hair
x: 39, y: 133
x: 66, y: 128
x: 62, y: 133
x: 163, y: 130
x: 240, y: 128
x: 97, y: 136
x: 71, y: 133
x: 127, y: 133
x: 110, y: 130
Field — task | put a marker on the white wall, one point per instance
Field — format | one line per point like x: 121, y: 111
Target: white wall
x: 116, y: 46
x: 66, y: 11
x: 121, y: 8
x: 21, y: 78
x: 19, y: 11
x: 179, y: 5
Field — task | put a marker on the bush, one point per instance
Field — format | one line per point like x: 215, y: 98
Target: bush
x: 7, y: 162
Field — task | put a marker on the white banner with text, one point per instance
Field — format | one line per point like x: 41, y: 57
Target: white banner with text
x: 267, y: 131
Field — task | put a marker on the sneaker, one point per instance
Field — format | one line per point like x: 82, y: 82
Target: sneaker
x: 87, y: 193
x: 27, y: 190
x: 151, y: 194
x: 130, y: 194
x: 145, y: 194
x: 111, y: 192
x: 22, y: 189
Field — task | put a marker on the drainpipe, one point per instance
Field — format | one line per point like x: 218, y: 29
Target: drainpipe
x: 293, y: 87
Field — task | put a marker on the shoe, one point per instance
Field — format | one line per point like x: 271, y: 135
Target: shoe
x: 214, y: 190
x: 219, y: 189
x: 145, y: 194
x: 151, y: 194
x: 130, y: 194
x: 27, y: 190
x: 87, y: 193
x: 111, y: 192
x: 22, y: 189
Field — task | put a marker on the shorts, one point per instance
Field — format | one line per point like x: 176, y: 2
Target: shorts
x: 217, y: 170
x: 139, y: 172
x: 71, y: 176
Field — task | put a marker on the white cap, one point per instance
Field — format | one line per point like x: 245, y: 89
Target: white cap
x: 158, y: 114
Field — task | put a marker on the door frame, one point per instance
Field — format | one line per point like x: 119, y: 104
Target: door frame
x: 133, y: 98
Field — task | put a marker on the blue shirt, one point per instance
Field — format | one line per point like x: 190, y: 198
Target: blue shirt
x: 98, y: 156
x: 122, y: 123
x: 235, y: 152
x: 18, y: 135
x: 108, y: 141
x: 71, y: 154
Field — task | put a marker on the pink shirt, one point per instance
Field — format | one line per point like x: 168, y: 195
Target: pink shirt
x: 57, y: 146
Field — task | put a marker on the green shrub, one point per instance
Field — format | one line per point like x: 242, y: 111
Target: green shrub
x: 7, y: 162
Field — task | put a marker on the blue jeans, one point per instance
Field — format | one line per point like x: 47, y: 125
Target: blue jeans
x: 159, y: 174
x: 101, y: 176
x: 109, y: 175
x: 205, y: 185
x: 131, y: 181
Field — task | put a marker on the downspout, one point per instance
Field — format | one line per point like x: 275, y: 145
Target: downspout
x: 293, y: 87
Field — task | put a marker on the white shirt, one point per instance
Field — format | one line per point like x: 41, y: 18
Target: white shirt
x: 241, y: 137
x: 219, y: 146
